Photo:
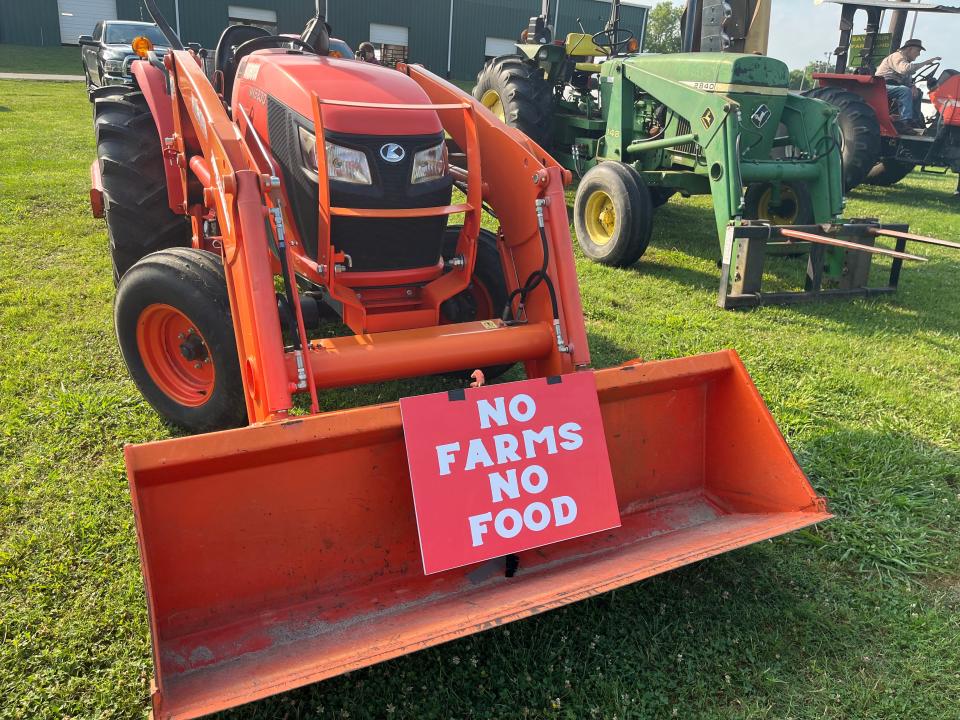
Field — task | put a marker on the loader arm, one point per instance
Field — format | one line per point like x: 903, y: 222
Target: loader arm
x: 732, y: 151
x: 203, y: 128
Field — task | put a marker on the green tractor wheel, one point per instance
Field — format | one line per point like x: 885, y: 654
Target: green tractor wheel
x: 613, y: 215
x: 515, y: 91
x: 795, y: 206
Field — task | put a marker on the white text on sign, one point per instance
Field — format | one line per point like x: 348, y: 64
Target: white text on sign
x: 512, y: 483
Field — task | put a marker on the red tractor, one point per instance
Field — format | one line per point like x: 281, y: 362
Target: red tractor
x: 874, y: 150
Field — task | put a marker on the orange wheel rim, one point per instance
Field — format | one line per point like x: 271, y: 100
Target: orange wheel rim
x: 175, y: 355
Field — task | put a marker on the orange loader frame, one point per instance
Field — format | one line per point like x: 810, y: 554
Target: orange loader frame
x: 287, y: 552
x: 224, y: 162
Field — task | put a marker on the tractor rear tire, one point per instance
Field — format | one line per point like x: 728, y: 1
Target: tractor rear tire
x: 889, y: 172
x: 485, y: 298
x: 795, y: 208
x: 139, y: 218
x: 859, y: 129
x: 613, y: 214
x: 175, y: 330
x: 515, y: 90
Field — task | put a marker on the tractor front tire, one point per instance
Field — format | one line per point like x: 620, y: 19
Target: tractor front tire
x: 889, y: 172
x: 485, y: 298
x: 175, y: 331
x: 139, y: 218
x: 514, y: 90
x: 795, y: 206
x: 859, y: 129
x: 613, y: 214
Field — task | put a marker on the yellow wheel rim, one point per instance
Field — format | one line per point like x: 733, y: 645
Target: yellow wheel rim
x: 492, y: 102
x: 601, y: 217
x: 784, y: 214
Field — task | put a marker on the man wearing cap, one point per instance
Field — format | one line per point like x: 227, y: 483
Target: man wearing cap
x: 898, y: 70
x: 367, y: 53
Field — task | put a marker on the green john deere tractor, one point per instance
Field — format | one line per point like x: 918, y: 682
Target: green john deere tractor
x: 635, y: 129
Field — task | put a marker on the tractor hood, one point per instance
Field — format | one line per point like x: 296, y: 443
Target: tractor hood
x: 292, y: 78
x: 704, y: 71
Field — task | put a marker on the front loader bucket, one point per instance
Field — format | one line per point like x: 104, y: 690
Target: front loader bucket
x: 279, y: 555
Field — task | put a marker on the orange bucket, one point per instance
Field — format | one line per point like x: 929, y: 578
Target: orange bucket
x: 278, y: 555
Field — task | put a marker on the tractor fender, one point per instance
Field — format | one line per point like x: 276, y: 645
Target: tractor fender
x: 153, y: 85
x: 871, y: 88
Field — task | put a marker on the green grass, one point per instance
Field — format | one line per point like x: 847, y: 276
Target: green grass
x: 859, y: 618
x: 55, y: 60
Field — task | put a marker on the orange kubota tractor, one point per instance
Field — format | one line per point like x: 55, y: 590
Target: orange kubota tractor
x: 287, y: 551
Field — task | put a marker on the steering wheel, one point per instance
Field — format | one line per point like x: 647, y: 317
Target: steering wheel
x: 615, y: 39
x: 929, y: 74
x: 269, y: 41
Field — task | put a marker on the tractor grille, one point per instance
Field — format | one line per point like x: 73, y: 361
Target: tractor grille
x: 683, y: 127
x: 374, y: 244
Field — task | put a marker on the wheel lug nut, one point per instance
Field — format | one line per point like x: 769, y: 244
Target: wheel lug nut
x: 198, y: 365
x: 180, y: 336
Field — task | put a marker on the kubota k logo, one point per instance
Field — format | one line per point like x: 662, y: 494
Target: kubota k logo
x: 392, y: 153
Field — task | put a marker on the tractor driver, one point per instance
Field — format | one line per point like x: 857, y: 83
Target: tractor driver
x: 367, y: 53
x: 898, y: 70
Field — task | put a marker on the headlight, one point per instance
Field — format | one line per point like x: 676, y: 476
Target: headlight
x: 429, y: 164
x: 343, y: 163
x: 113, y: 66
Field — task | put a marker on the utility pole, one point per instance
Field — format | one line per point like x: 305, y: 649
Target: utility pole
x: 898, y: 21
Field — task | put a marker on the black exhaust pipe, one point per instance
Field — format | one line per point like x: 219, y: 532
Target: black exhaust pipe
x: 162, y: 23
x: 691, y: 19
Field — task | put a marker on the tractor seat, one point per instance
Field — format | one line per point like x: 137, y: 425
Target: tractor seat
x: 230, y: 40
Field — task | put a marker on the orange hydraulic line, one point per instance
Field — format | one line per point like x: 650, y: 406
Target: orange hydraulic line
x: 916, y: 238
x: 358, y: 359
x: 823, y: 240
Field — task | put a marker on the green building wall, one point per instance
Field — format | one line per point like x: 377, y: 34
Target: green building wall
x: 428, y: 22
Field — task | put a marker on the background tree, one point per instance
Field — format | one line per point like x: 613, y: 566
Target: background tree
x: 663, y: 28
x: 803, y: 79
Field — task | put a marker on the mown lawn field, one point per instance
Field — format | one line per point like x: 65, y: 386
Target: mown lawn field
x: 56, y: 60
x: 858, y: 618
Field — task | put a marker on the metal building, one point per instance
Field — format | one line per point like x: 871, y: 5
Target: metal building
x: 451, y: 37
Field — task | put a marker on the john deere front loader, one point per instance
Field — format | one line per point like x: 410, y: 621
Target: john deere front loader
x: 718, y: 120
x: 282, y: 545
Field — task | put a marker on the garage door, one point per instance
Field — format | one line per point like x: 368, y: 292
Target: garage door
x: 388, y: 34
x: 77, y: 17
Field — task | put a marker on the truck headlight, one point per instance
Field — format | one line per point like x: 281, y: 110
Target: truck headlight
x: 114, y: 67
x: 343, y: 163
x: 430, y: 164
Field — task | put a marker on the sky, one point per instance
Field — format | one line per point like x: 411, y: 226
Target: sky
x: 801, y: 31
